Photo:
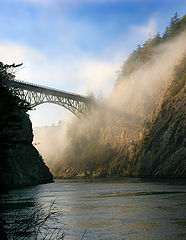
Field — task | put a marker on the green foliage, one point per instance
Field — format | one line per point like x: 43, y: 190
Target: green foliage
x: 8, y: 97
x: 176, y: 25
x: 143, y: 53
x: 86, y: 152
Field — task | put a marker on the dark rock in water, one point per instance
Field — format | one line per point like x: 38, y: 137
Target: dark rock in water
x: 21, y: 165
x: 2, y: 231
x: 20, y: 162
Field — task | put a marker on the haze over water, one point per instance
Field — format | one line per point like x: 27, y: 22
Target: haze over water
x: 126, y: 209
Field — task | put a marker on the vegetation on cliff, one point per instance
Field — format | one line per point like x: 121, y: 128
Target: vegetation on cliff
x: 126, y: 138
x: 11, y: 105
x: 9, y: 98
x: 20, y: 162
x: 144, y: 53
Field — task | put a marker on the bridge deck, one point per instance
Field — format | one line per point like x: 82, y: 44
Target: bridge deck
x: 46, y: 90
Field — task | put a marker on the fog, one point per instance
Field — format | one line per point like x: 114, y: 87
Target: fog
x: 51, y: 141
x: 138, y: 93
x: 133, y: 100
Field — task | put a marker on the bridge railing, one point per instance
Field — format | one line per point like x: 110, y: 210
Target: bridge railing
x: 48, y: 88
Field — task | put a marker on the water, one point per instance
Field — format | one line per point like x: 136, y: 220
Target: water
x: 128, y: 209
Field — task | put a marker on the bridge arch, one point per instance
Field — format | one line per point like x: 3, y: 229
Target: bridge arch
x: 36, y: 95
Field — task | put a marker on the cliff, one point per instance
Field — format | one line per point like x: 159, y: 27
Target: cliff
x: 162, y: 152
x: 139, y: 130
x: 117, y: 148
x: 20, y: 162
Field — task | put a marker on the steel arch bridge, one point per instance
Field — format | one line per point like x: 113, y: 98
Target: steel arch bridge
x: 36, y: 94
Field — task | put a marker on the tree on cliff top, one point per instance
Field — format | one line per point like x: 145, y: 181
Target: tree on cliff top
x: 143, y: 53
x: 8, y: 96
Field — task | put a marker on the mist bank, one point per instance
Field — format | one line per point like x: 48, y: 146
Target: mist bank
x: 139, y: 130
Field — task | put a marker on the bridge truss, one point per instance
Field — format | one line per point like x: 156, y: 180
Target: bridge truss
x: 36, y: 95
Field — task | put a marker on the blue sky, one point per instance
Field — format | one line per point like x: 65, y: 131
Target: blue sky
x: 77, y: 45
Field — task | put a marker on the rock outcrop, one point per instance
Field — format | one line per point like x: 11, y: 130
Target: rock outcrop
x: 139, y: 130
x: 162, y: 152
x: 20, y: 162
x: 155, y: 148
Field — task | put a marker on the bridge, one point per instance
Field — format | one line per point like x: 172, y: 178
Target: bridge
x: 36, y: 94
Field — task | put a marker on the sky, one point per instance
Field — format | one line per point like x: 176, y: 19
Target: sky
x: 77, y: 45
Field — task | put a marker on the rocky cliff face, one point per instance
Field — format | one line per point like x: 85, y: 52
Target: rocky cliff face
x: 158, y: 148
x: 155, y: 148
x: 140, y: 129
x: 162, y: 151
x: 20, y: 162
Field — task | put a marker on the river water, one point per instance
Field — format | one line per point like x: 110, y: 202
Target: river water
x: 127, y: 209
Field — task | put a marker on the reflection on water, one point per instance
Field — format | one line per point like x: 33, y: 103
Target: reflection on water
x: 128, y: 209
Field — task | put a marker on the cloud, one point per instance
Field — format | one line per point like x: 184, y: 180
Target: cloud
x: 73, y: 68
x: 17, y: 53
x: 77, y: 70
x: 97, y: 75
x: 147, y: 30
x: 80, y: 75
x: 11, y: 52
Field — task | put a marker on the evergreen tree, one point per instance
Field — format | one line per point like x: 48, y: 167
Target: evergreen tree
x: 143, y: 54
